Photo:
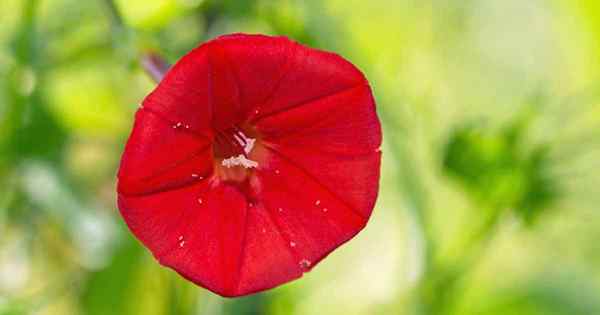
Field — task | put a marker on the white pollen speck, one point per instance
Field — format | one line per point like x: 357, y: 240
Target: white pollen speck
x: 305, y: 263
x: 276, y: 171
x: 250, y: 204
x: 187, y: 126
x: 180, y: 237
x: 181, y: 243
x: 256, y: 111
x: 200, y: 200
x: 279, y: 209
x: 324, y: 209
x: 293, y: 244
x: 239, y: 160
x: 195, y: 175
x: 318, y: 202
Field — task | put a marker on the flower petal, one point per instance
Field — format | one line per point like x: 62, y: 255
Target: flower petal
x: 354, y: 180
x: 267, y: 258
x: 310, y: 75
x: 197, y: 230
x: 159, y: 157
x: 343, y: 123
x: 277, y: 74
x: 311, y: 223
x: 184, y: 95
x: 313, y: 117
x: 259, y: 63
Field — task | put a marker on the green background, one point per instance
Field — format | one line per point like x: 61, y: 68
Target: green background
x: 490, y: 189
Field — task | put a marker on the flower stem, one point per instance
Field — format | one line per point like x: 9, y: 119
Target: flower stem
x: 115, y: 15
x: 154, y: 65
x: 440, y: 292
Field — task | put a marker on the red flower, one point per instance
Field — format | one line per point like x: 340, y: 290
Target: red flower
x: 252, y: 160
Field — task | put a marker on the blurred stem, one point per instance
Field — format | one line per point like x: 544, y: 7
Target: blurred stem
x: 411, y: 186
x: 440, y: 291
x: 475, y: 245
x: 125, y: 41
x: 177, y: 302
x: 115, y: 16
x: 25, y: 54
x: 17, y: 91
x: 152, y: 62
x: 213, y: 305
x: 440, y: 281
x: 154, y: 65
x: 415, y: 194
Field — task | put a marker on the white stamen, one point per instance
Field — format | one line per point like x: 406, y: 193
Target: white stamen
x: 293, y: 244
x: 318, y: 202
x: 239, y: 139
x: 249, y: 145
x: 239, y: 160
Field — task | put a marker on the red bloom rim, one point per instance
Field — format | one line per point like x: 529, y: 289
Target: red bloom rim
x: 252, y: 160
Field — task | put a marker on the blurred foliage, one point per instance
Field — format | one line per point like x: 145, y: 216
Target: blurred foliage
x: 470, y: 158
x: 500, y: 171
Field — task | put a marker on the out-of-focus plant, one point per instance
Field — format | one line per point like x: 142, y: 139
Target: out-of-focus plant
x: 500, y: 171
x: 71, y: 80
x: 503, y: 173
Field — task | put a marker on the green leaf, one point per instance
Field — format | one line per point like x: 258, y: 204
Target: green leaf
x: 499, y: 171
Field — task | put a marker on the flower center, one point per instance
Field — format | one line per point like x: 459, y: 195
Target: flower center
x: 232, y: 148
